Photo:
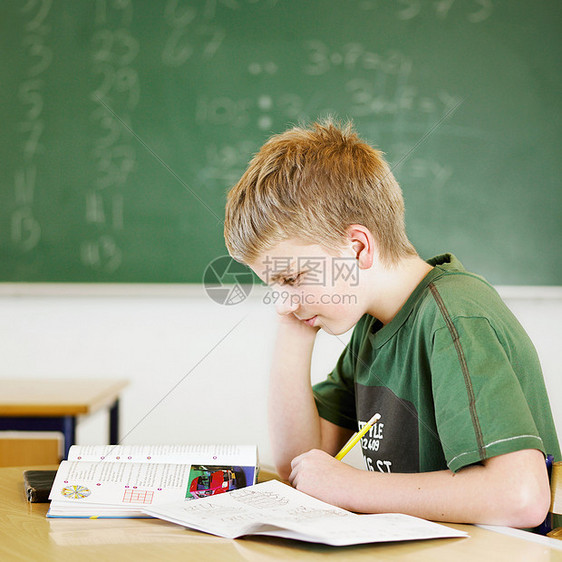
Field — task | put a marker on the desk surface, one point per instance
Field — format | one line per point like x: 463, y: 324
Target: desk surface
x: 57, y: 397
x: 25, y: 534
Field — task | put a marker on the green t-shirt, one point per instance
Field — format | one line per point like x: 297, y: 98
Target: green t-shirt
x: 454, y: 376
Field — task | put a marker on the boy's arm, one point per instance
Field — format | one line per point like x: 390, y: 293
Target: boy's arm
x: 294, y: 423
x: 510, y: 489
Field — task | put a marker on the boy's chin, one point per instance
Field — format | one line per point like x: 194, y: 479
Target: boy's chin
x: 335, y: 329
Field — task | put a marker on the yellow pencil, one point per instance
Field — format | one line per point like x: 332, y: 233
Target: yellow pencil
x: 355, y: 439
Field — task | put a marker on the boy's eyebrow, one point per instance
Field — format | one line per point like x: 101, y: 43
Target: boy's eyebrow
x: 274, y: 277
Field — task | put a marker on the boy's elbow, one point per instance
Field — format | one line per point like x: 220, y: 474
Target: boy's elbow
x: 518, y: 491
x: 532, y: 508
x: 527, y: 506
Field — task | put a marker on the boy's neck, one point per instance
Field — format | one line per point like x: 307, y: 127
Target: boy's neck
x: 392, y: 286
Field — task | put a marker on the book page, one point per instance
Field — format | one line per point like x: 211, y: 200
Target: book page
x: 211, y: 454
x: 119, y: 484
x: 275, y: 509
x: 81, y: 485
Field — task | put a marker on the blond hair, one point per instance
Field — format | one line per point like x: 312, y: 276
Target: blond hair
x: 311, y: 185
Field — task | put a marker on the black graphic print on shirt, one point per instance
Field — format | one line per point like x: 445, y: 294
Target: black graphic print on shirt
x: 392, y: 444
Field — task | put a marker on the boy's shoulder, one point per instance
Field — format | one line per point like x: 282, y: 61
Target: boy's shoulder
x: 453, y: 294
x: 461, y: 292
x: 449, y: 292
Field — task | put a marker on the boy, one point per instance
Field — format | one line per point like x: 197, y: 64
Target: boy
x: 465, y: 419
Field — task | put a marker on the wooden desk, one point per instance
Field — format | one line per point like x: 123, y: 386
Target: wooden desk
x: 55, y: 404
x: 25, y: 534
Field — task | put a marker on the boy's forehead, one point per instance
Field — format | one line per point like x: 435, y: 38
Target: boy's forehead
x: 279, y: 259
x: 287, y: 253
x: 289, y: 257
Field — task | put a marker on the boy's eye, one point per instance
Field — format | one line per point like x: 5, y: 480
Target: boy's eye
x: 292, y: 280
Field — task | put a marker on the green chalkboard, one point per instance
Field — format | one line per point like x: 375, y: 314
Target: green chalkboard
x: 125, y: 122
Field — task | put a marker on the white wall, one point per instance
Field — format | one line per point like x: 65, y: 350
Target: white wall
x: 197, y: 370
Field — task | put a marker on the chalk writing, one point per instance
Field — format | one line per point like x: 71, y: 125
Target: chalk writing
x: 225, y: 163
x: 25, y: 228
x: 268, y: 67
x: 189, y: 33
x: 116, y: 95
x: 473, y: 11
x: 353, y: 57
x: 212, y: 6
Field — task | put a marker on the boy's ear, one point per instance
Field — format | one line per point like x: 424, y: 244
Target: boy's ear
x: 362, y: 244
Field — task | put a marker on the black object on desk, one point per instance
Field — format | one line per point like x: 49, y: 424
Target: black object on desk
x: 38, y: 484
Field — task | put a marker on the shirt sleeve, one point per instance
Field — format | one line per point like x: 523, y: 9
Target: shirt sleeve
x: 335, y: 396
x: 480, y: 408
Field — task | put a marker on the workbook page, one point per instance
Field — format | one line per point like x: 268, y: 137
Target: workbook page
x: 275, y: 509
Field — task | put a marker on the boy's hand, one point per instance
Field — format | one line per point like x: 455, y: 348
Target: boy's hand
x: 318, y: 474
x: 290, y: 325
x: 290, y: 313
x: 287, y: 317
x: 292, y: 322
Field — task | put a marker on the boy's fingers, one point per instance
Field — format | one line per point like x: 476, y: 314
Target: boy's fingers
x: 295, y: 461
x: 293, y: 477
x: 296, y: 465
x: 298, y: 459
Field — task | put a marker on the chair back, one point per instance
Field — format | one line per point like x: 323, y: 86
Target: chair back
x: 556, y: 497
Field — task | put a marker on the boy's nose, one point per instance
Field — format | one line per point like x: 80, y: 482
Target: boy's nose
x: 287, y: 307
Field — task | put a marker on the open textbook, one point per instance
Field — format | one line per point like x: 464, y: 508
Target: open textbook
x: 275, y: 509
x: 120, y: 480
